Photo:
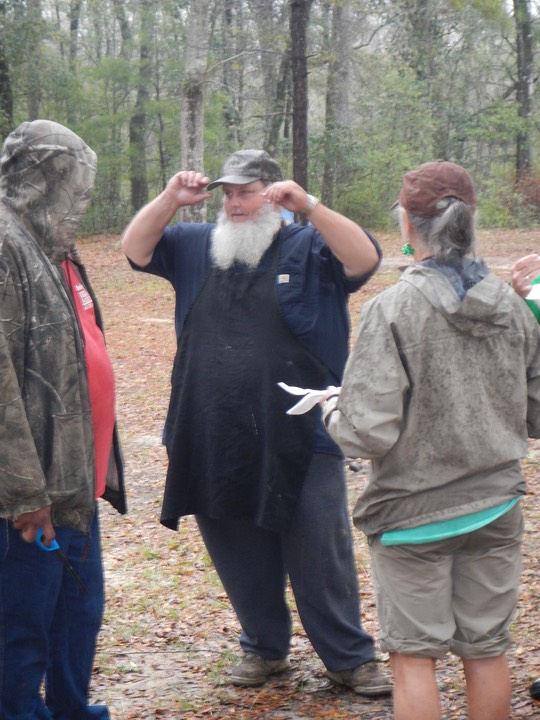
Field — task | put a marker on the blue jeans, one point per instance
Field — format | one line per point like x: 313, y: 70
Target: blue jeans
x: 49, y: 626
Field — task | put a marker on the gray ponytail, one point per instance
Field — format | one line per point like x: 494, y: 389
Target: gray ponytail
x: 450, y: 235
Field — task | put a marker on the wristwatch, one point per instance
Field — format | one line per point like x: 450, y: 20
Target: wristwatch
x: 312, y: 203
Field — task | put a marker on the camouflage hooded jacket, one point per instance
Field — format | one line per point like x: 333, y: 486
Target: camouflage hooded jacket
x: 46, y: 435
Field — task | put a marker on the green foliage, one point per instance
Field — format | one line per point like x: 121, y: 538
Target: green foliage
x: 445, y: 94
x: 507, y: 203
x: 371, y: 161
x: 498, y: 124
x: 489, y: 9
x: 492, y: 211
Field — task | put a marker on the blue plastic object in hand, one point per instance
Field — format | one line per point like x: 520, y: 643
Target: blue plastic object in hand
x: 69, y: 567
x: 53, y: 546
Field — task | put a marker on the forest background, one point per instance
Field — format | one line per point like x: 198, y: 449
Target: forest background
x: 346, y: 94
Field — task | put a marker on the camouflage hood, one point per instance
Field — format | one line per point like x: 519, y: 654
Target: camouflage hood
x: 48, y: 174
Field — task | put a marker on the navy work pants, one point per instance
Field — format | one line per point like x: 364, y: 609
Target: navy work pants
x: 316, y: 553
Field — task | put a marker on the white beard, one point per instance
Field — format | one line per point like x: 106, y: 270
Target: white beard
x: 244, y: 242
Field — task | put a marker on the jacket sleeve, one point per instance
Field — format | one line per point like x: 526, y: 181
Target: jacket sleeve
x: 532, y: 330
x: 22, y: 481
x: 369, y: 412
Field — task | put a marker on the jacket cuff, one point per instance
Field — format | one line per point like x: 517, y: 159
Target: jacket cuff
x: 328, y: 407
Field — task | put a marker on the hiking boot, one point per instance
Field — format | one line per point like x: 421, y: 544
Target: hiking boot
x: 255, y: 670
x: 534, y: 690
x: 365, y: 679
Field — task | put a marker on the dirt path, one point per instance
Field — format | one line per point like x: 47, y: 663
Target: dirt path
x: 169, y: 636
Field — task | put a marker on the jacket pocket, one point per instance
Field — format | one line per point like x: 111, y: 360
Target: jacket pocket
x: 70, y: 461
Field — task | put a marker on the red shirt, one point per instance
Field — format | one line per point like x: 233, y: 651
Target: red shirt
x: 99, y: 371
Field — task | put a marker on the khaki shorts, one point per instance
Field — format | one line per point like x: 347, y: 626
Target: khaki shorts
x: 455, y: 595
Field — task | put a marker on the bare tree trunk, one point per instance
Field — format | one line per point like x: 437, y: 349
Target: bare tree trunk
x: 115, y: 144
x: 74, y: 18
x: 125, y: 27
x: 298, y: 28
x: 163, y: 154
x: 192, y: 110
x: 233, y: 71
x: 281, y: 104
x: 137, y: 125
x: 524, y: 85
x: 425, y: 29
x: 6, y: 94
x: 262, y: 12
x: 337, y: 94
x: 33, y: 101
x: 275, y: 66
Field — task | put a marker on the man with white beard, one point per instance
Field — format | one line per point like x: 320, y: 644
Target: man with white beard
x: 259, y: 302
x: 247, y: 240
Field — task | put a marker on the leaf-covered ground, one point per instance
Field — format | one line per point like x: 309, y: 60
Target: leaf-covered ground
x: 169, y: 637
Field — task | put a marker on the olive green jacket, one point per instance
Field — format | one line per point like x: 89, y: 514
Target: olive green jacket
x: 441, y: 394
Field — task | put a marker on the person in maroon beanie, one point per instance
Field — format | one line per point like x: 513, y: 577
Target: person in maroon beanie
x: 441, y: 392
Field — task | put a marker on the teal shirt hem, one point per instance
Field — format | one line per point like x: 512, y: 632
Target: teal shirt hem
x: 446, y: 528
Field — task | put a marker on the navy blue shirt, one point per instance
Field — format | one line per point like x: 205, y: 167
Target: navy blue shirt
x: 311, y: 290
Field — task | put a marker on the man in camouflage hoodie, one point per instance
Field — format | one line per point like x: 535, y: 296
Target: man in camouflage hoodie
x: 59, y: 450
